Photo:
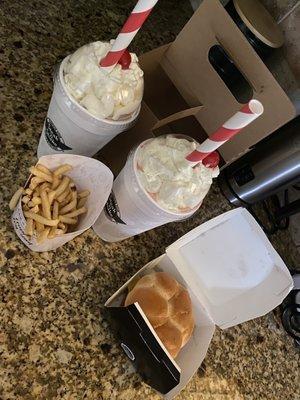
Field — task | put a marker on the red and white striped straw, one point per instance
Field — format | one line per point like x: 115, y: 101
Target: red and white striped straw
x: 131, y: 27
x: 230, y: 128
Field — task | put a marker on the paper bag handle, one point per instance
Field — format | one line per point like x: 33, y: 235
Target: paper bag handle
x: 177, y: 116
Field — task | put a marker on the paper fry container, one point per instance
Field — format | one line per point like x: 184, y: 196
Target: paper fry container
x: 88, y: 174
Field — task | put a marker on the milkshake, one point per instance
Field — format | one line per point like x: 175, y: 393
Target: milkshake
x: 156, y: 186
x: 116, y: 95
x: 89, y: 106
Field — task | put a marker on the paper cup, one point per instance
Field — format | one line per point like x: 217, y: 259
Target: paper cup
x: 130, y: 210
x: 69, y: 128
x: 88, y: 174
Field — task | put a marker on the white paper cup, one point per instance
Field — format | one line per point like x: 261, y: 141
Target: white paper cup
x: 88, y: 174
x: 70, y: 128
x: 130, y: 210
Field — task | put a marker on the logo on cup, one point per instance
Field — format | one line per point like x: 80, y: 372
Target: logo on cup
x: 54, y: 138
x: 112, y: 210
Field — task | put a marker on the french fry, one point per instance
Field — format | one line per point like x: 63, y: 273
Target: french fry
x: 81, y: 202
x: 52, y: 233
x: 51, y: 196
x: 44, y: 169
x: 35, y: 181
x: 59, y: 232
x: 15, y: 199
x: 45, y: 205
x: 55, y: 210
x: 45, y: 187
x: 64, y: 195
x: 29, y: 227
x: 74, y: 194
x: 42, y: 236
x: 40, y: 174
x: 62, y: 169
x: 67, y: 220
x: 55, y: 183
x: 63, y: 203
x: 39, y: 227
x: 35, y: 209
x: 25, y: 199
x: 36, y: 192
x: 36, y: 200
x: 63, y: 186
x: 69, y: 207
x: 28, y: 191
x: 66, y: 200
x: 61, y: 225
x: 41, y: 219
x: 85, y: 193
x: 69, y: 197
x: 77, y: 212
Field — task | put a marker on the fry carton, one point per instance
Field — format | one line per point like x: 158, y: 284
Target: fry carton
x: 88, y: 174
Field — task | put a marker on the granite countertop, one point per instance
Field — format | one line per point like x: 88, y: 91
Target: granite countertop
x: 55, y: 340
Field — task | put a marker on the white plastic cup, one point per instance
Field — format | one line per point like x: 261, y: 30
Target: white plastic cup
x: 69, y: 128
x: 130, y: 210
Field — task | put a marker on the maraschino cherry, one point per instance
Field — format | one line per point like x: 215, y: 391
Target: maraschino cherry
x: 125, y: 60
x: 212, y: 160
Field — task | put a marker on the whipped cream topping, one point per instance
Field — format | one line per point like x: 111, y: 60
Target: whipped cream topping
x: 169, y: 178
x: 115, y: 95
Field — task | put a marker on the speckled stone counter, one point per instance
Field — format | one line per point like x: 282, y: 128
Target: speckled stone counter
x: 55, y: 340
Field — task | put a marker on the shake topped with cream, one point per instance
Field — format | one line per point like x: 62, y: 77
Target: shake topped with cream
x: 113, y: 96
x: 169, y: 178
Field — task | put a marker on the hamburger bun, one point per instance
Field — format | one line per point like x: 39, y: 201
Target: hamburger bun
x: 168, y: 307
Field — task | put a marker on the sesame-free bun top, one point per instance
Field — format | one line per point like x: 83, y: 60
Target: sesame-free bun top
x: 168, y: 307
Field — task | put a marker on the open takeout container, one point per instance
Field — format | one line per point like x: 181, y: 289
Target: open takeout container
x: 87, y: 174
x: 233, y: 274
